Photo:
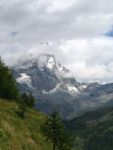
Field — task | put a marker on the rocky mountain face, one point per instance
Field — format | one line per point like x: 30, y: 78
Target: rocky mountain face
x: 46, y: 80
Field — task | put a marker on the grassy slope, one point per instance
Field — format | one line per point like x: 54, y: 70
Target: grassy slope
x: 20, y: 134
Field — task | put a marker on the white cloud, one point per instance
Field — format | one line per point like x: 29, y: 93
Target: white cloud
x: 74, y: 29
x: 89, y: 59
x: 58, y: 5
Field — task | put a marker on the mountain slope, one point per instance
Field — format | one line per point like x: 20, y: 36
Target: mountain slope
x: 95, y: 128
x: 17, y: 133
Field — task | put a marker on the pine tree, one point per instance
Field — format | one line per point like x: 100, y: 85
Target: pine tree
x: 25, y: 101
x: 28, y: 99
x: 8, y: 87
x: 55, y: 132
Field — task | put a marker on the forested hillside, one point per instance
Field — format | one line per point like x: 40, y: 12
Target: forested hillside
x: 94, y: 129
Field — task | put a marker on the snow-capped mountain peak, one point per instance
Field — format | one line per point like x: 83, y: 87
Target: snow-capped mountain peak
x: 46, y: 61
x: 45, y: 79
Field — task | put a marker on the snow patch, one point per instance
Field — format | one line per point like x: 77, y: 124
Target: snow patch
x: 46, y: 61
x: 52, y: 91
x: 81, y: 87
x: 24, y: 79
x: 51, y: 63
x: 72, y: 89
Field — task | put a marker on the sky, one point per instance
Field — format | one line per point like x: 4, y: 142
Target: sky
x: 78, y: 32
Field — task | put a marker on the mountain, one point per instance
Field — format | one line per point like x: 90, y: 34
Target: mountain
x: 21, y: 134
x: 52, y: 87
x: 94, y: 129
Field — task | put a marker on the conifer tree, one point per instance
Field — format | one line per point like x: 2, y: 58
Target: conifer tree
x: 28, y: 99
x: 55, y: 132
x: 8, y: 87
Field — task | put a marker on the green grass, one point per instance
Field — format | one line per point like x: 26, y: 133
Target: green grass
x: 21, y: 134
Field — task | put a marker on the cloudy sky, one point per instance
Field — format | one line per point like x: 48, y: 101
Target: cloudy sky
x: 78, y: 32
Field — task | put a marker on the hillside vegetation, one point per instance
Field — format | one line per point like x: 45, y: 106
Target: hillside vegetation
x: 21, y: 134
x: 94, y: 128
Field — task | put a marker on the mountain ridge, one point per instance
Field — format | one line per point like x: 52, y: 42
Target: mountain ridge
x: 47, y: 80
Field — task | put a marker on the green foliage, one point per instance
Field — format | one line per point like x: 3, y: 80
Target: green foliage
x: 54, y: 131
x: 22, y: 110
x: 93, y: 130
x: 65, y: 141
x: 8, y: 87
x: 8, y: 90
x: 78, y: 144
x: 28, y: 100
x: 101, y: 137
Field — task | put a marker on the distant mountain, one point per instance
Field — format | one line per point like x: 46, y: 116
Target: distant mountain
x: 48, y: 81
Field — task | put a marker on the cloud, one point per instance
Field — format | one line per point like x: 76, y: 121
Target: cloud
x: 89, y: 59
x: 75, y: 31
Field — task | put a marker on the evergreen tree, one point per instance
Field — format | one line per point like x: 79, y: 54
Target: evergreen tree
x: 25, y: 101
x: 22, y: 109
x: 8, y: 87
x: 28, y: 99
x: 54, y: 131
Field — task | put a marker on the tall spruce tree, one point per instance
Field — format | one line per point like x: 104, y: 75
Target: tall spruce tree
x: 54, y: 131
x: 8, y: 87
